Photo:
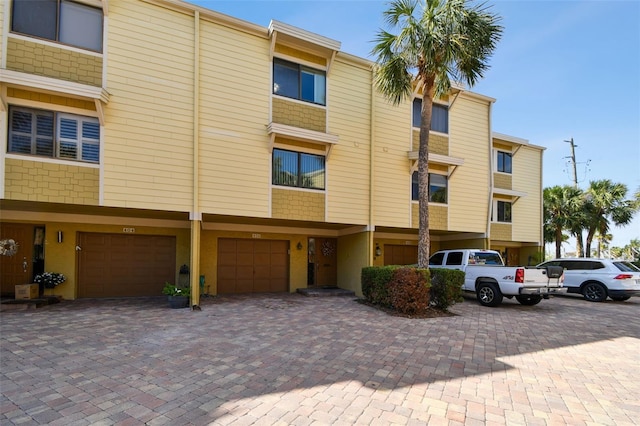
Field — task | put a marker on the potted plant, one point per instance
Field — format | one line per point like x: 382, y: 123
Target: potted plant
x: 49, y: 279
x: 178, y: 296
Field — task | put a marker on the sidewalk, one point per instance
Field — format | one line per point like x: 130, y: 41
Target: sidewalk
x: 290, y: 359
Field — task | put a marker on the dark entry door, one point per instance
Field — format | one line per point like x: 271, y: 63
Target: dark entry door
x: 18, y: 268
x: 323, y: 262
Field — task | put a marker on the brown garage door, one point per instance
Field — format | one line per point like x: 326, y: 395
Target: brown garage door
x: 123, y: 265
x: 400, y: 255
x: 252, y: 266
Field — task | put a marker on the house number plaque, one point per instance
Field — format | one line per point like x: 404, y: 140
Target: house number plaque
x: 129, y: 230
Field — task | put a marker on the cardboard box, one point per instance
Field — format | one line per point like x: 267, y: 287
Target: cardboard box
x: 27, y: 291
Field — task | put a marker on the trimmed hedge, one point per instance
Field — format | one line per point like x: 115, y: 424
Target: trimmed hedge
x: 446, y: 287
x: 411, y: 290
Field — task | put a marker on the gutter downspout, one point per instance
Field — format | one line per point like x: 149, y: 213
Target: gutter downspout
x: 490, y: 203
x: 196, y: 216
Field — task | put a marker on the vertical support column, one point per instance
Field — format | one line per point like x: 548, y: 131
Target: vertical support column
x: 194, y: 267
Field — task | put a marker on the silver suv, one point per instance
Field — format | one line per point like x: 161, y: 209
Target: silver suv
x: 596, y: 279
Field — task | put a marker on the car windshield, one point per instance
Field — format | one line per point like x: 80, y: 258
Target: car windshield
x: 484, y: 258
x: 626, y: 266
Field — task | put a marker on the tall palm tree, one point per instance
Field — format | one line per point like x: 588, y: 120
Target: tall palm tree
x: 435, y: 41
x: 561, y: 210
x: 605, y: 203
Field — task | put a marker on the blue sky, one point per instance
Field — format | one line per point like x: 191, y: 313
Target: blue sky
x: 563, y: 69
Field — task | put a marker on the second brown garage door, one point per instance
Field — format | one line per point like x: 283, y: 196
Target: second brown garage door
x: 124, y: 265
x: 252, y: 266
x: 400, y: 255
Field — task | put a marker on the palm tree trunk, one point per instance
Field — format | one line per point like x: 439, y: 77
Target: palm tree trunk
x: 558, y: 242
x: 424, y: 240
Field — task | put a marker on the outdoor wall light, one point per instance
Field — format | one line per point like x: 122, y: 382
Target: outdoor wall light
x: 60, y: 236
x: 378, y: 250
x: 299, y: 246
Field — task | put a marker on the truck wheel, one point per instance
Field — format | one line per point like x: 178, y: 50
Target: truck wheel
x: 489, y: 294
x: 594, y: 292
x: 620, y: 298
x: 529, y: 300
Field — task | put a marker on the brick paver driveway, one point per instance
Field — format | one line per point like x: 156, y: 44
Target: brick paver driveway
x: 290, y: 359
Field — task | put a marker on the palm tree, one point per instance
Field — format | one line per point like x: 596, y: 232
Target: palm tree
x: 436, y: 41
x: 561, y: 211
x: 606, y: 203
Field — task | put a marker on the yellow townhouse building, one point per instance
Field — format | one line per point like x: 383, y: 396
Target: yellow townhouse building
x: 145, y: 141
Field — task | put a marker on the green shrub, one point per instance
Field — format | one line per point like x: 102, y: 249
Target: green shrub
x: 409, y: 290
x: 446, y: 287
x: 374, y: 280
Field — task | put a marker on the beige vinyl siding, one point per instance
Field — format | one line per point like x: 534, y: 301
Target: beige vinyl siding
x: 148, y: 139
x: 349, y: 91
x: 234, y: 112
x: 392, y: 193
x: 469, y: 185
x: 527, y: 219
x: 2, y: 7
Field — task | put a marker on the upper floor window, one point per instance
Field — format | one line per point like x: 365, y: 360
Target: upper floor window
x: 504, y: 162
x: 437, y: 188
x: 64, y: 21
x: 53, y: 134
x: 439, y: 116
x: 298, y: 169
x: 502, y: 211
x: 299, y: 82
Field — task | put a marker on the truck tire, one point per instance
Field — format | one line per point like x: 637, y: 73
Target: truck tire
x: 529, y: 300
x: 489, y: 294
x: 594, y: 292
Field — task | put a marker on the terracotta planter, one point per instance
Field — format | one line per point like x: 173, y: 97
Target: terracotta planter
x: 176, y: 302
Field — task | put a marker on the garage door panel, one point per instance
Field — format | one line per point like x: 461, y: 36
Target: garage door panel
x: 114, y: 265
x: 244, y: 259
x: 226, y: 246
x: 244, y: 272
x: 252, y: 265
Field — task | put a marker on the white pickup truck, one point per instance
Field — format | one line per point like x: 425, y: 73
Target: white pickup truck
x: 486, y: 275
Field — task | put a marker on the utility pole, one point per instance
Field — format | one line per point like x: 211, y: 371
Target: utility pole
x: 573, y: 161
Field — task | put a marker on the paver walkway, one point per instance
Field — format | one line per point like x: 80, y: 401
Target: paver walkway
x: 289, y: 359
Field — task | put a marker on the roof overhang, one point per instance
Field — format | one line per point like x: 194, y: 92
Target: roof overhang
x: 324, y: 140
x: 446, y: 160
x: 514, y: 195
x: 288, y: 35
x: 52, y: 85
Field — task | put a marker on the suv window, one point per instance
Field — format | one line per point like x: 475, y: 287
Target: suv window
x: 626, y: 266
x: 454, y: 258
x: 436, y: 259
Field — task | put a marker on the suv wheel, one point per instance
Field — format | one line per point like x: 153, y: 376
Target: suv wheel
x: 489, y: 294
x: 594, y: 292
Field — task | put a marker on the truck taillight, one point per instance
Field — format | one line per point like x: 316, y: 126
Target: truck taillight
x: 520, y: 275
x: 623, y: 277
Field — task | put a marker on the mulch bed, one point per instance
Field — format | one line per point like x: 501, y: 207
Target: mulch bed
x: 430, y: 313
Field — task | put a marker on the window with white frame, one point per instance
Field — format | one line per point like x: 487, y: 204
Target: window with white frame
x: 439, y: 116
x: 298, y: 169
x: 299, y: 82
x: 53, y: 134
x: 437, y: 188
x: 501, y: 211
x: 503, y: 161
x: 63, y: 21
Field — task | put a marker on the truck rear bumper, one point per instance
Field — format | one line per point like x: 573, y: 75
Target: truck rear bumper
x: 543, y: 290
